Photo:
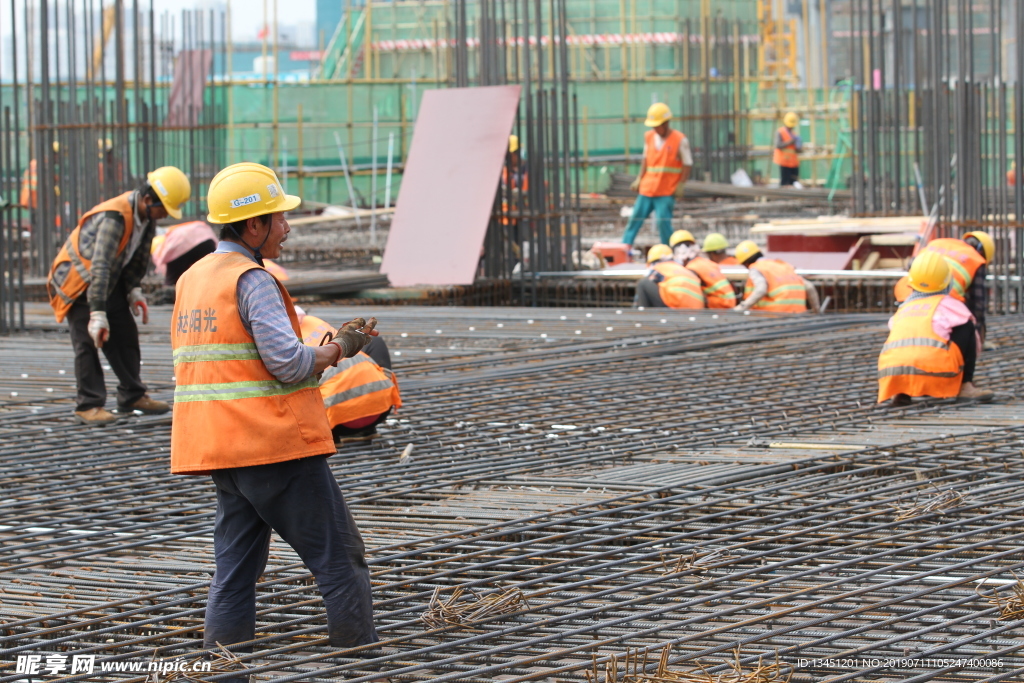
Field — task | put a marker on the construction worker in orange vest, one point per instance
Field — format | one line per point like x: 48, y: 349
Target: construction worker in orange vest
x: 248, y: 412
x: 967, y: 259
x: 359, y: 392
x: 787, y: 148
x: 663, y: 171
x: 668, y: 284
x: 715, y: 245
x: 1011, y: 175
x: 773, y: 285
x: 933, y: 344
x: 95, y: 282
x: 718, y: 291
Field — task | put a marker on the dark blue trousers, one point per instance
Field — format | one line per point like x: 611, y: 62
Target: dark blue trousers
x: 301, y: 501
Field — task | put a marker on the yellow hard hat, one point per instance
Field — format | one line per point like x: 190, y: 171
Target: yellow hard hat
x: 988, y: 245
x: 56, y: 146
x: 715, y: 241
x: 155, y: 244
x: 245, y: 190
x: 513, y: 143
x: 658, y: 252
x: 657, y: 114
x: 791, y: 119
x: 172, y: 187
x: 929, y: 273
x: 745, y: 250
x: 680, y: 236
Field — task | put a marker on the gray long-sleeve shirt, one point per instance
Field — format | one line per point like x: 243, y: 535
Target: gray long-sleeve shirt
x: 761, y: 288
x: 265, y: 317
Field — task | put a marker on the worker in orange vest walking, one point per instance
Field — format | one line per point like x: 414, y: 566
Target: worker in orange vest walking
x: 95, y: 281
x: 933, y: 344
x: 360, y: 392
x: 718, y: 291
x: 248, y: 412
x: 668, y: 284
x: 665, y: 168
x: 787, y: 148
x: 773, y: 285
x: 968, y: 260
x: 714, y: 246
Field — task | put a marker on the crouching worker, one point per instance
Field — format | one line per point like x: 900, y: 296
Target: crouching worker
x: 247, y: 412
x: 773, y: 285
x: 668, y: 284
x: 933, y: 342
x: 360, y: 392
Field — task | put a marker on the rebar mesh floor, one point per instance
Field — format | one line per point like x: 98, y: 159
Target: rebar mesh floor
x: 594, y: 482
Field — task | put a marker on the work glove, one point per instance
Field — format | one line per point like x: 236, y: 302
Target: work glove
x: 354, y: 335
x: 679, y: 191
x: 99, y: 328
x: 635, y: 185
x: 137, y: 304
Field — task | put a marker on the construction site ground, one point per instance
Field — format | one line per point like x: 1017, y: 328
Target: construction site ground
x: 595, y: 481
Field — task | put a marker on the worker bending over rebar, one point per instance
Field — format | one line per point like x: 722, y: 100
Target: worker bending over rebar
x: 773, y: 285
x: 248, y: 412
x: 718, y: 292
x: 95, y: 282
x: 933, y: 342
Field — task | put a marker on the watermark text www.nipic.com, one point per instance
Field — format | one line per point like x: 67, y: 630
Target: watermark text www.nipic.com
x: 54, y: 664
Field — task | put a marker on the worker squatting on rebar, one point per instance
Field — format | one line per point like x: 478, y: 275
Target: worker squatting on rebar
x: 933, y: 342
x: 664, y: 170
x: 94, y: 282
x: 248, y: 412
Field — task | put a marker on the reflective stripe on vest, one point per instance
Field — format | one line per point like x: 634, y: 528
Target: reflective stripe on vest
x: 963, y: 260
x: 915, y: 360
x: 787, y: 156
x: 70, y: 273
x: 230, y: 411
x: 681, y: 287
x: 716, y: 287
x: 786, y: 291
x: 663, y: 167
x: 314, y: 330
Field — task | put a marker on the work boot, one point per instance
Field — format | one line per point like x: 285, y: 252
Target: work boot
x: 95, y: 417
x: 366, y: 434
x: 146, y: 406
x: 900, y: 401
x: 972, y: 393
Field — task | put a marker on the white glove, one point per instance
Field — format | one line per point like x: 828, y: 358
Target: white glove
x: 635, y: 185
x: 99, y: 328
x: 138, y: 305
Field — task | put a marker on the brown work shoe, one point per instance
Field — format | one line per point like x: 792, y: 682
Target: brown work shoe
x: 96, y: 417
x: 147, y: 406
x: 972, y: 393
x: 366, y: 434
x: 900, y: 401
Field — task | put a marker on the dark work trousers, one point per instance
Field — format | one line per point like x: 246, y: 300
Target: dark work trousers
x: 788, y: 176
x: 301, y: 501
x: 378, y: 351
x: 121, y: 349
x: 648, y: 295
x: 963, y: 336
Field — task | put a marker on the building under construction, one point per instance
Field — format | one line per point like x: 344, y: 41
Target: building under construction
x: 575, y: 488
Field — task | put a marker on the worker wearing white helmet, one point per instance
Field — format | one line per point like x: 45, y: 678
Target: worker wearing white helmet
x: 665, y: 168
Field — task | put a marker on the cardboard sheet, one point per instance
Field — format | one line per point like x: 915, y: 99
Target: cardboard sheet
x: 448, y: 186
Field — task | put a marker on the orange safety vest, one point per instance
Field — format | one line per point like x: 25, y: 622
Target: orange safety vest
x: 358, y: 387
x: 729, y: 261
x: 916, y: 361
x: 70, y: 273
x: 229, y: 410
x: 786, y: 293
x: 787, y: 155
x: 664, y: 169
x: 680, y: 288
x: 963, y: 260
x: 30, y: 187
x: 717, y: 289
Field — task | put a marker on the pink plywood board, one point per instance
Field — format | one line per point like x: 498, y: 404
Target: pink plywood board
x: 448, y: 185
